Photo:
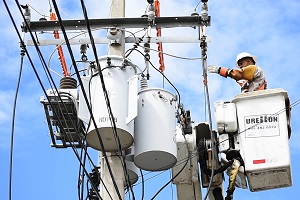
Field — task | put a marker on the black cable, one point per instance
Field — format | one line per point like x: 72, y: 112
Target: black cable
x: 187, y: 160
x: 102, y: 82
x: 143, y: 185
x: 107, y: 102
x: 41, y: 82
x: 73, y: 60
x: 30, y: 60
x: 87, y: 188
x: 203, y: 47
x: 83, y: 90
x: 137, y: 43
x: 80, y: 179
x: 161, y: 74
x: 81, y: 172
x: 79, y: 182
x: 26, y: 49
x: 92, y: 76
x: 45, y: 69
x: 22, y: 53
x: 171, y: 186
x: 197, y: 5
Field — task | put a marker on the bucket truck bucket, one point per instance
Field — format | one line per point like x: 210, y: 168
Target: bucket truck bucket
x: 263, y: 138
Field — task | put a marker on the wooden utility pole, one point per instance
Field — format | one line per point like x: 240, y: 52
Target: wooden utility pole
x: 115, y: 161
x: 117, y: 11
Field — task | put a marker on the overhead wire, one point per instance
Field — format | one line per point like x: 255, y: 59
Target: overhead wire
x: 107, y: 100
x: 179, y: 103
x: 79, y: 79
x: 43, y: 62
x: 197, y: 5
x: 30, y: 60
x: 22, y: 43
x: 117, y: 139
x: 179, y: 100
x: 56, y: 48
x: 171, y: 185
x: 171, y: 55
x: 22, y: 54
x: 80, y: 186
x: 137, y: 41
x: 80, y: 180
x: 48, y: 75
x: 37, y: 11
x: 143, y: 184
x: 203, y: 47
x: 175, y: 88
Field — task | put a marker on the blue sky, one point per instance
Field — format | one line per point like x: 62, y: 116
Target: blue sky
x: 268, y: 29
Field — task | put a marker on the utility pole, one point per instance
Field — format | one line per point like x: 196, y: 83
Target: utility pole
x: 117, y: 11
x: 115, y: 161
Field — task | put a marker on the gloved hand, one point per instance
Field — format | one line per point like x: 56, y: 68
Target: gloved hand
x: 213, y: 69
x: 223, y: 71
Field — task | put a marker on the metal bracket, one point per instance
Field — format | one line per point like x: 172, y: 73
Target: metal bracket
x: 141, y: 22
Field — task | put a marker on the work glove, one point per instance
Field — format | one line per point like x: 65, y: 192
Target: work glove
x: 223, y: 71
x: 213, y: 69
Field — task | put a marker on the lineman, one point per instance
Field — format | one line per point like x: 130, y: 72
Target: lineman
x: 251, y: 75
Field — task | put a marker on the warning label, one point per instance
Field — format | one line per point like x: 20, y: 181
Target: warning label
x: 261, y: 126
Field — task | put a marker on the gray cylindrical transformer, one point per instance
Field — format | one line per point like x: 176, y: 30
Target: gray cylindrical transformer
x: 118, y: 85
x: 155, y: 146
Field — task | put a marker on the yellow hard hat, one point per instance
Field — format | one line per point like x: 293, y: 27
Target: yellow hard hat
x: 244, y: 55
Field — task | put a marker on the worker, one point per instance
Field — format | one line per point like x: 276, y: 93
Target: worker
x: 248, y: 75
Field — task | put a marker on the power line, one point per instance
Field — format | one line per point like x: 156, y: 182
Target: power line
x: 13, y: 120
x: 16, y: 29
x: 117, y: 139
x: 37, y: 11
x: 72, y: 57
x: 161, y: 74
x: 171, y: 55
x: 203, y: 47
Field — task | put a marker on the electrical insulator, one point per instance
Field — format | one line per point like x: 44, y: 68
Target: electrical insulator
x: 27, y: 16
x: 27, y: 13
x: 83, y: 48
x: 204, y: 12
x: 144, y: 84
x: 147, y: 47
x: 151, y: 12
x: 150, y: 1
x: 68, y: 83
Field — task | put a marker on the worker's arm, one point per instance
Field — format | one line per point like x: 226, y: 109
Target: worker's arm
x: 246, y: 73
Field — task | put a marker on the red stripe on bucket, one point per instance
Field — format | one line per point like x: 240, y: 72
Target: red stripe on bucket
x: 259, y: 161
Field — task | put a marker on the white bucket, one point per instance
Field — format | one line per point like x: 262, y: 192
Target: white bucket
x: 263, y: 138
